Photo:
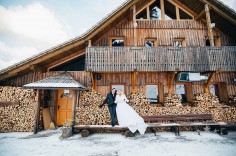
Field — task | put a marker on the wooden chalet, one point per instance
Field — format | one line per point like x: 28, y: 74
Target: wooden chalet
x: 154, y: 47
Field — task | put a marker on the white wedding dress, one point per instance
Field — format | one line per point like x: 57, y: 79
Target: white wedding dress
x: 127, y: 116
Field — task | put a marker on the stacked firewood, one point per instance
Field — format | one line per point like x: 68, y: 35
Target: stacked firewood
x: 232, y: 100
x: 139, y: 103
x: 88, y: 112
x: 226, y: 114
x: 206, y: 100
x: 17, y: 117
x: 172, y: 100
x: 209, y: 103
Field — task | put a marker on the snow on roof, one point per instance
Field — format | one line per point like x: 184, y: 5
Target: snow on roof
x: 64, y: 80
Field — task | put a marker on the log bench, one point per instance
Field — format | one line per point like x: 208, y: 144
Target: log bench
x: 172, y: 121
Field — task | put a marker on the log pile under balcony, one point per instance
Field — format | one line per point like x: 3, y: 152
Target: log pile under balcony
x: 205, y: 103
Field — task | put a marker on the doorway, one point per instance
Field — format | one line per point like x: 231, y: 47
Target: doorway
x: 64, y: 107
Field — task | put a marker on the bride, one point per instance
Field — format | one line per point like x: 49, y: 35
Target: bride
x: 126, y: 115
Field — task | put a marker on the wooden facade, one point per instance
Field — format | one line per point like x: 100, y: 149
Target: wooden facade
x: 94, y: 62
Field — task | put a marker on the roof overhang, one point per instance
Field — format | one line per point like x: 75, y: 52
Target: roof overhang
x: 61, y: 81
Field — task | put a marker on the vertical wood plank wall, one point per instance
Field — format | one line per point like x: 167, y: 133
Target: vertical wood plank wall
x: 194, y: 32
x: 103, y: 85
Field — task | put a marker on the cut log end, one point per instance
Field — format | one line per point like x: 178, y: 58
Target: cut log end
x: 85, y: 133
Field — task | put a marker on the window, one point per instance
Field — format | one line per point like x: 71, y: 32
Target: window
x: 214, y: 89
x: 152, y: 93
x: 179, y: 42
x: 118, y: 86
x: 181, y: 91
x: 217, y: 42
x: 117, y: 42
x: 66, y: 93
x: 150, y: 43
x: 208, y: 42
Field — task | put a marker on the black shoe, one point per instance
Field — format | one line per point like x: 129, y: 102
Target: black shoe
x: 112, y: 125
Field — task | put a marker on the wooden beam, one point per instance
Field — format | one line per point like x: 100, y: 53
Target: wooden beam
x: 220, y: 12
x: 209, y: 29
x: 133, y: 78
x: 177, y: 12
x: 162, y: 10
x: 89, y: 43
x: 75, y: 103
x: 199, y: 16
x: 36, y: 114
x: 135, y: 25
x: 148, y: 13
x: 93, y: 81
x: 183, y: 7
x: 170, y: 79
x: 209, y: 80
x: 145, y: 6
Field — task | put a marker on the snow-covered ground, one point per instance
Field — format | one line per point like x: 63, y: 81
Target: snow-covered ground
x: 48, y: 143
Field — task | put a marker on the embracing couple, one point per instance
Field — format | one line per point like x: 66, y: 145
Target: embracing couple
x: 123, y: 113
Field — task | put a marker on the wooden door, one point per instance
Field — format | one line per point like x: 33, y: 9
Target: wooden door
x: 64, y: 107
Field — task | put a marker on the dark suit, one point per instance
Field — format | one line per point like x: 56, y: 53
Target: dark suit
x: 110, y: 100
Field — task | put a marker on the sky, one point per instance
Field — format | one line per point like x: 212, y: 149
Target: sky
x: 28, y: 27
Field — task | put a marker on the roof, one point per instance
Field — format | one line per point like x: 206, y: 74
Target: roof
x: 61, y: 81
x: 225, y: 19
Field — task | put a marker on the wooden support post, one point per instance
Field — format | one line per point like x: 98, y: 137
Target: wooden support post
x: 177, y: 13
x: 148, y: 13
x: 162, y: 10
x: 170, y: 79
x: 209, y: 80
x: 133, y: 76
x: 209, y: 29
x: 36, y: 114
x: 135, y: 25
x: 75, y: 103
x: 89, y: 43
x: 93, y: 81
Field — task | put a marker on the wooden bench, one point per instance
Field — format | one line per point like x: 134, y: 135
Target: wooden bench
x: 172, y: 121
x: 176, y: 121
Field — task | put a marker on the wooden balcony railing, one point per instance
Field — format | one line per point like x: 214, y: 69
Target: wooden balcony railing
x: 109, y: 59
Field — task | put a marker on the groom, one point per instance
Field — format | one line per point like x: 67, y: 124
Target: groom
x: 110, y: 100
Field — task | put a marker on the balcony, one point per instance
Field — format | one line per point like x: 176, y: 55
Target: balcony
x: 122, y: 59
